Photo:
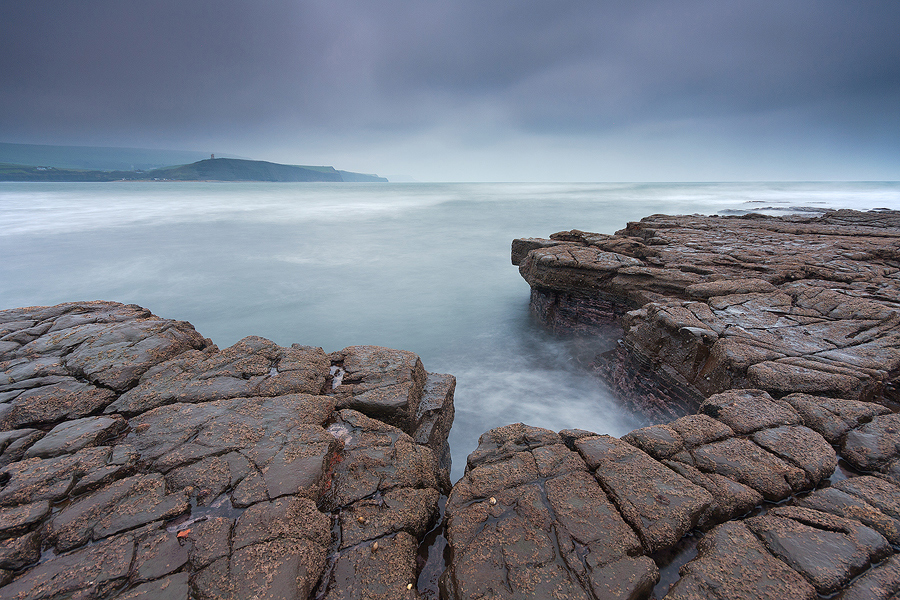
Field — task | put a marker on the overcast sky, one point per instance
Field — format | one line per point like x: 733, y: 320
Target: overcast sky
x: 469, y: 90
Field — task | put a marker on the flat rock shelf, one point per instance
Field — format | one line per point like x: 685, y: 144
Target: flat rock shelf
x: 767, y: 352
x: 138, y: 460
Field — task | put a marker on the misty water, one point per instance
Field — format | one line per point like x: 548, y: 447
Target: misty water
x: 421, y: 267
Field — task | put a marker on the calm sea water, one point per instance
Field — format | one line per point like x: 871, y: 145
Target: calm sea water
x: 422, y: 267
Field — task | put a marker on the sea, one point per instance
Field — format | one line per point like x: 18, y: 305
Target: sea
x: 423, y: 267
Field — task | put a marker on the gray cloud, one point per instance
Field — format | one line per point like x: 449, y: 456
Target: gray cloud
x: 453, y: 77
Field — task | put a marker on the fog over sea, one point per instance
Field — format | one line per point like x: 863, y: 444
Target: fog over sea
x: 415, y: 266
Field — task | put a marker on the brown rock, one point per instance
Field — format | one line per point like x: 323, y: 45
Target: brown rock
x: 381, y: 383
x: 801, y: 447
x: 842, y: 504
x: 743, y: 461
x: 123, y: 505
x: 732, y: 563
x: 658, y: 503
x: 875, y: 445
x: 881, y: 494
x: 508, y: 440
x: 880, y: 583
x: 252, y: 367
x: 832, y: 418
x: 173, y: 587
x: 91, y: 571
x: 827, y: 550
x: 72, y: 436
x: 382, y: 574
x: 746, y: 411
x: 659, y: 441
x: 402, y: 509
x: 375, y: 457
x: 35, y: 479
x: 15, y: 520
x: 20, y: 552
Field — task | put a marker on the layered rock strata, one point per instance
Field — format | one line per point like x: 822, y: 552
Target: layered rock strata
x: 707, y: 304
x: 781, y: 337
x: 137, y: 460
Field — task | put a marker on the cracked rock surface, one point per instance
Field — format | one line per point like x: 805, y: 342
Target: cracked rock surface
x: 138, y: 460
x: 782, y: 304
x: 766, y: 353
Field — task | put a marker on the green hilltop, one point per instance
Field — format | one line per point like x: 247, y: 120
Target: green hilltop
x: 22, y: 162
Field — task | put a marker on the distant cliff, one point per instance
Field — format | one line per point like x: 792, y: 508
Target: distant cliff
x: 211, y: 169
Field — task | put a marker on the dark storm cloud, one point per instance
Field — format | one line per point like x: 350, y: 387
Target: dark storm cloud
x: 196, y: 69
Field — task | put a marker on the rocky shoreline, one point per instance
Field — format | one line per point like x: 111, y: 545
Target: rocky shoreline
x: 138, y: 460
x: 768, y: 352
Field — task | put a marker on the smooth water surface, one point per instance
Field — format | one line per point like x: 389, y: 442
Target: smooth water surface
x: 422, y: 267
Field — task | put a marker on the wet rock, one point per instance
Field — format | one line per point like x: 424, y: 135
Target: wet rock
x: 880, y: 583
x: 262, y: 447
x: 434, y: 417
x: 158, y: 554
x: 277, y: 551
x: 832, y: 418
x: 15, y: 520
x: 91, y: 571
x: 278, y: 569
x: 115, y: 356
x: 14, y: 444
x: 381, y: 383
x: 72, y: 436
x: 743, y: 461
x: 402, y: 509
x: 732, y: 563
x: 252, y: 367
x: 628, y: 578
x: 375, y: 457
x: 875, y: 445
x: 503, y: 442
x: 728, y: 287
x: 659, y: 441
x: 35, y: 479
x: 383, y: 574
x: 842, y: 504
x: 210, y: 540
x: 746, y: 411
x: 282, y: 519
x: 173, y: 587
x: 730, y: 498
x: 659, y: 504
x: 213, y: 483
x: 801, y: 447
x: 522, y: 246
x: 700, y: 429
x: 881, y: 494
x: 784, y: 304
x: 19, y: 552
x: 123, y: 505
x: 66, y: 399
x: 528, y: 520
x: 77, y: 356
x: 827, y: 550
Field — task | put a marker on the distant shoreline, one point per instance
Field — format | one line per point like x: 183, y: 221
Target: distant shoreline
x: 211, y: 169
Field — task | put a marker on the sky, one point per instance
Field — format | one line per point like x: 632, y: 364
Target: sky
x: 469, y: 90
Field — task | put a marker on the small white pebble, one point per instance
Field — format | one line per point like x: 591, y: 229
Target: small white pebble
x: 374, y: 546
x: 492, y: 501
x: 409, y: 586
